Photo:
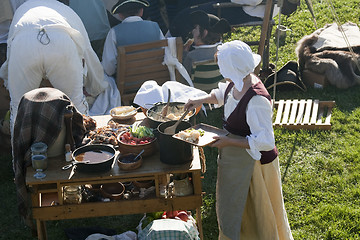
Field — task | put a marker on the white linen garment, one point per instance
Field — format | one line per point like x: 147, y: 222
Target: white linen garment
x: 48, y: 40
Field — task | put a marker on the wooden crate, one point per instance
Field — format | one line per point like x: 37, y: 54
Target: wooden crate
x: 303, y: 114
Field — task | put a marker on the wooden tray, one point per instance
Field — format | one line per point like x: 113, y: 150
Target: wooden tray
x: 209, y: 133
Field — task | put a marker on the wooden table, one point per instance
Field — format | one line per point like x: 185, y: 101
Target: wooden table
x: 44, y: 191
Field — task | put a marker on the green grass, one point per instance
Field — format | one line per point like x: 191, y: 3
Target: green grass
x: 320, y: 169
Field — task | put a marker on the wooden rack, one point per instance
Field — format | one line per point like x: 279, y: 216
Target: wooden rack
x: 303, y: 114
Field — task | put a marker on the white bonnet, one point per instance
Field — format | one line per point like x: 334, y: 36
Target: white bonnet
x: 236, y: 61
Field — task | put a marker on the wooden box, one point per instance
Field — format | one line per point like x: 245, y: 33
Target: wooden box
x: 314, y: 80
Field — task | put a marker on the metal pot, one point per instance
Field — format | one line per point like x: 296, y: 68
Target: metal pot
x: 154, y: 113
x: 172, y: 150
x: 92, y: 165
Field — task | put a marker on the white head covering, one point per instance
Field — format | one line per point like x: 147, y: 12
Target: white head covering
x: 236, y: 61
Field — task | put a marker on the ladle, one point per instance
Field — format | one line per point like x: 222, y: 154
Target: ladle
x: 171, y: 130
x: 166, y: 108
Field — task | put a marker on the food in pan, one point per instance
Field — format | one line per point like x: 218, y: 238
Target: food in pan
x: 174, y: 113
x: 89, y: 123
x: 107, y: 134
x: 191, y: 135
x: 97, y: 156
x: 174, y: 116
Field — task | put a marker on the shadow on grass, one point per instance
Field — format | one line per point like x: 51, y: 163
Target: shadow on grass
x: 288, y: 162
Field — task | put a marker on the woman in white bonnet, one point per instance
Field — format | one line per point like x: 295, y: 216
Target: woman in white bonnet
x: 249, y: 201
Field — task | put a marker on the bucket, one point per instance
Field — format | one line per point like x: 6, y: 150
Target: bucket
x: 172, y: 150
x: 280, y: 33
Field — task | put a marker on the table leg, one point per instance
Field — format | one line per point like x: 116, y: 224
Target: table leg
x: 199, y: 223
x: 41, y: 229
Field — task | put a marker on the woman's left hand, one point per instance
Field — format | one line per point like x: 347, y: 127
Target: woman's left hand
x: 221, y: 141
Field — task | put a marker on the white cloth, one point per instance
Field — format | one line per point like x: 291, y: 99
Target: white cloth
x: 254, y: 9
x: 109, y: 57
x: 172, y: 62
x: 48, y: 40
x: 106, y: 100
x: 330, y: 37
x: 258, y: 117
x: 150, y: 93
x: 236, y: 60
x: 129, y: 235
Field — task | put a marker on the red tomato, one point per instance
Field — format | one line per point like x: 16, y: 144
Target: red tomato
x: 126, y: 137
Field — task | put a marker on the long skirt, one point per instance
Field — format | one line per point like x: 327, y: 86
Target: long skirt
x: 249, y: 198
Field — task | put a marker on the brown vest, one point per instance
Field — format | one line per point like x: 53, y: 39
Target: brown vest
x: 236, y: 122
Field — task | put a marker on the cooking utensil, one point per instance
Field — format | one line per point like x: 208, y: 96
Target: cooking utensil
x: 139, y: 154
x: 132, y: 111
x: 165, y: 109
x: 100, y: 164
x: 172, y: 150
x: 66, y: 167
x: 114, y: 191
x: 172, y: 129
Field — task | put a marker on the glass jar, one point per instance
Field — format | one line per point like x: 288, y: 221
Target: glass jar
x: 39, y: 159
x: 39, y: 148
x: 72, y: 194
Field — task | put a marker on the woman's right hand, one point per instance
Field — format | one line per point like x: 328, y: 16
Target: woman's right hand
x: 193, y: 104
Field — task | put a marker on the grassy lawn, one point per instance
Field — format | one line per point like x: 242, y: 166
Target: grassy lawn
x: 320, y: 169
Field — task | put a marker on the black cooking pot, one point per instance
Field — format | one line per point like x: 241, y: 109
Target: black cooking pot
x: 154, y: 113
x: 172, y: 150
x: 98, y: 158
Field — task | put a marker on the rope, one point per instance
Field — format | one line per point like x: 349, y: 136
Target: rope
x: 202, y: 160
x: 277, y: 55
x: 337, y: 21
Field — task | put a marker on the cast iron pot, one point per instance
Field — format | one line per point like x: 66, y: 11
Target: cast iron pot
x: 155, y: 112
x: 172, y: 150
x: 96, y: 165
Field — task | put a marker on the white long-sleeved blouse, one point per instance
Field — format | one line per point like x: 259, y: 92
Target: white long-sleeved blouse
x: 258, y: 117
